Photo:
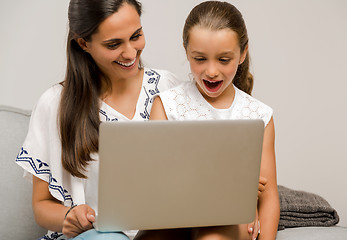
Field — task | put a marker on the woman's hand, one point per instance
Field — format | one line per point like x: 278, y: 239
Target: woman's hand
x: 254, y: 227
x: 78, y: 220
x: 262, y: 185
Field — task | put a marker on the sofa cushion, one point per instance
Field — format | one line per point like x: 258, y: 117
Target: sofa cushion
x: 313, y: 233
x: 17, y: 221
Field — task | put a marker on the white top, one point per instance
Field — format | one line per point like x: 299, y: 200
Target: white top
x: 41, y: 152
x: 185, y: 102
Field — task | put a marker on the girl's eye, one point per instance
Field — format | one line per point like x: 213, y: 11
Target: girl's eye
x: 135, y: 37
x: 199, y: 59
x: 224, y: 60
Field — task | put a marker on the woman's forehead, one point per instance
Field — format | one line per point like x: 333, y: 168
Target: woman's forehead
x: 120, y: 24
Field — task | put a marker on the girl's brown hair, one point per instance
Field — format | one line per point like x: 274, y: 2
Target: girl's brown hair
x: 216, y: 15
x: 80, y: 100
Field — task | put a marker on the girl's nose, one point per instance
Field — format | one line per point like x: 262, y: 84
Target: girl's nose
x: 212, y: 71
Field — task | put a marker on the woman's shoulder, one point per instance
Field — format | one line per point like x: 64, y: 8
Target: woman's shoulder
x: 51, y: 94
x: 157, y: 72
x: 163, y: 78
x: 50, y: 99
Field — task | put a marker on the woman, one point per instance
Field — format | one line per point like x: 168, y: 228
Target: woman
x: 104, y: 82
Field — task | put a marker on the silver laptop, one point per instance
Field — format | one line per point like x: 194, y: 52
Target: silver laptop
x: 174, y: 174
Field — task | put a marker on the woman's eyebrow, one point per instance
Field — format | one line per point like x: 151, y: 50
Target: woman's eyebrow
x: 118, y: 39
x: 137, y: 31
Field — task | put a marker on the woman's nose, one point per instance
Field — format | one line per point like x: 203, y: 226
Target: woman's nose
x: 129, y: 52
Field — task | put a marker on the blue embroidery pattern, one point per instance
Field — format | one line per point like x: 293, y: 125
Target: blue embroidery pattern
x: 41, y: 167
x: 154, y: 78
x: 153, y: 90
x: 53, y: 236
x: 145, y: 114
x: 107, y: 118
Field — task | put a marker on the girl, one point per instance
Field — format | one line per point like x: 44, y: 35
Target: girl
x: 216, y: 43
x: 104, y: 82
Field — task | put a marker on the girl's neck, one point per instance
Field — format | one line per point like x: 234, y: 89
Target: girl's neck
x: 223, y: 101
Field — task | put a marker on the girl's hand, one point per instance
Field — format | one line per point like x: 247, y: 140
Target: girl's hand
x: 78, y: 220
x: 254, y: 227
x: 262, y: 185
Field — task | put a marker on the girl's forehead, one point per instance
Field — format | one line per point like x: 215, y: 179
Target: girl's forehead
x: 204, y: 38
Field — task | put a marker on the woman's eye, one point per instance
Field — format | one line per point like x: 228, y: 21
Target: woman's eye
x: 113, y: 46
x: 135, y: 37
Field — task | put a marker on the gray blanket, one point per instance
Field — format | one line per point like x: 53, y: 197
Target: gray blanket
x: 303, y: 209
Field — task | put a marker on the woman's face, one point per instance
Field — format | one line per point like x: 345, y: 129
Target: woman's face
x: 117, y: 44
x: 214, y: 57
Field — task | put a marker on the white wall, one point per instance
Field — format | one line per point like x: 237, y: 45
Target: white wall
x: 299, y: 59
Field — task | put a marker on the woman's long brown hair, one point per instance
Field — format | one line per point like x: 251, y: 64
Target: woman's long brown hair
x: 80, y: 99
x: 216, y: 15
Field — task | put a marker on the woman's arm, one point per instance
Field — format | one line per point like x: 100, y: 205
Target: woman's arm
x: 158, y: 111
x: 269, y: 207
x: 50, y: 213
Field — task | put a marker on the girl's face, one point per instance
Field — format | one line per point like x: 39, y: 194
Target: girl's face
x: 214, y: 57
x: 118, y: 43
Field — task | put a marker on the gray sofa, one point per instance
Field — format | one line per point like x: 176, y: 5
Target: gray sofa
x: 17, y: 221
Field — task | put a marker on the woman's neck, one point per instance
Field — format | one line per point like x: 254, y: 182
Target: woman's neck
x: 122, y: 86
x: 124, y: 94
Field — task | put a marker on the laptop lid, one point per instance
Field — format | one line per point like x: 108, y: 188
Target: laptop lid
x: 173, y: 174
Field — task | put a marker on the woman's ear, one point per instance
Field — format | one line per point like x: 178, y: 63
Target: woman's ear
x: 243, y: 55
x: 82, y: 43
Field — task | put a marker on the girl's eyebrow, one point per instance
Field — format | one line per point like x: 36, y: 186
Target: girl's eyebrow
x: 198, y: 52
x: 223, y: 53
x: 118, y: 39
x: 232, y: 53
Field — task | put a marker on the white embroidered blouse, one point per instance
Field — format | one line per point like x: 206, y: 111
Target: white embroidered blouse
x: 41, y: 152
x: 185, y: 102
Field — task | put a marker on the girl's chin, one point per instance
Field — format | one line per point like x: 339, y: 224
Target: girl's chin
x: 207, y: 93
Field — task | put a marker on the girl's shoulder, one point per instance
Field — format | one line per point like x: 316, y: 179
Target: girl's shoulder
x: 184, y: 87
x: 250, y: 107
x: 184, y: 93
x: 248, y: 98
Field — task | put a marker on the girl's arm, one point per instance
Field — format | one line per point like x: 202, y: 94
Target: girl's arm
x: 50, y: 213
x: 269, y: 206
x: 158, y: 111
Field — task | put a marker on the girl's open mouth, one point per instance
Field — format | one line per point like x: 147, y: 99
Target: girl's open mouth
x: 212, y: 86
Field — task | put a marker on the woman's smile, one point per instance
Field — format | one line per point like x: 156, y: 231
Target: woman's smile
x: 127, y: 65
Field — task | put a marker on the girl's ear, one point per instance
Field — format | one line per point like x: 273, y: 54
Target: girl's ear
x: 82, y: 43
x: 244, y: 54
x: 185, y: 51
